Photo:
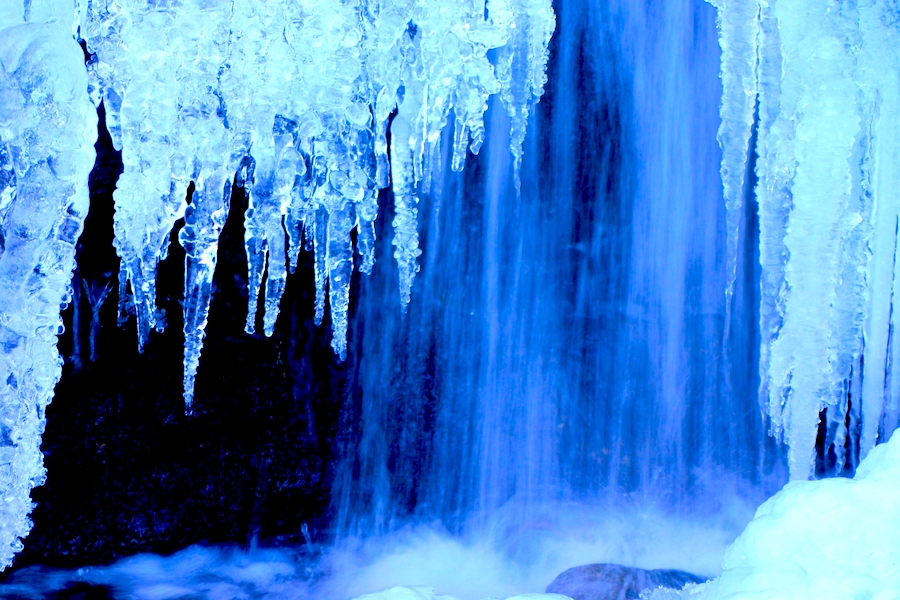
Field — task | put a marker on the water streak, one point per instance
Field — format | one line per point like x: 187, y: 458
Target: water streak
x: 569, y: 340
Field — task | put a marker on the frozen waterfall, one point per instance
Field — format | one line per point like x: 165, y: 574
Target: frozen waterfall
x: 294, y: 99
x: 690, y: 243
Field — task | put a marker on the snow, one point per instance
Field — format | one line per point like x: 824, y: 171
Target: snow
x: 830, y: 539
x: 47, y: 130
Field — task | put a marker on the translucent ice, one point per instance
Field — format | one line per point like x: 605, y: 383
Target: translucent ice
x: 297, y: 96
x: 738, y: 38
x: 827, y: 77
x: 47, y: 131
x: 289, y: 99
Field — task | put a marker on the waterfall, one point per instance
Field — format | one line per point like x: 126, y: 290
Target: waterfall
x: 571, y: 341
x: 649, y: 262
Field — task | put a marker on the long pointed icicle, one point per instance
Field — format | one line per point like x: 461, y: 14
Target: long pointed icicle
x: 204, y: 220
x: 48, y: 127
x: 738, y: 26
x: 880, y: 401
x: 406, y: 236
x: 827, y: 198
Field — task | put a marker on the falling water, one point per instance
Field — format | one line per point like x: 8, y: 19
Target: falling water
x: 570, y: 342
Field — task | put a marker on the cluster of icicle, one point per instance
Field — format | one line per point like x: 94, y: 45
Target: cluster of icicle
x: 823, y: 78
x: 292, y: 97
x: 295, y: 96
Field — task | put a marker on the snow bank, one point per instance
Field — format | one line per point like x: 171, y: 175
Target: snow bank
x: 828, y: 539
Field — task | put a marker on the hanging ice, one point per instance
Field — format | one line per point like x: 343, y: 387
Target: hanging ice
x: 828, y: 154
x: 738, y: 33
x: 47, y: 131
x: 297, y: 96
x: 291, y: 98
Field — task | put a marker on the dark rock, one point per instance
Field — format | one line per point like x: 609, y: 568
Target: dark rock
x: 616, y: 582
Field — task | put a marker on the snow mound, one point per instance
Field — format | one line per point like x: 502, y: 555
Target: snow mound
x: 828, y: 539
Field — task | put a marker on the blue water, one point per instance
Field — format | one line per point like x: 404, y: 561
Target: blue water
x: 570, y: 343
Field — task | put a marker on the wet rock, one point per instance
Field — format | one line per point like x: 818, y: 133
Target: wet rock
x: 616, y: 582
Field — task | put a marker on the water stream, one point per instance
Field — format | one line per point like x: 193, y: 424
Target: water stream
x: 570, y: 342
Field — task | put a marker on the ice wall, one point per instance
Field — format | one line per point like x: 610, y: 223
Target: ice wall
x: 825, y: 78
x: 296, y: 98
x: 47, y: 130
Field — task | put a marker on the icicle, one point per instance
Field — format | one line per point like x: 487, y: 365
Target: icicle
x: 277, y: 165
x: 365, y: 230
x: 816, y: 227
x: 122, y: 308
x: 738, y: 25
x: 276, y: 276
x: 837, y: 422
x: 774, y: 202
x: 339, y: 263
x: 879, y: 278
x: 406, y: 236
x: 320, y: 241
x: 892, y: 400
x: 825, y: 278
x: 289, y: 168
x: 460, y: 145
x: 881, y: 396
x: 301, y: 196
x: 204, y: 220
x: 47, y: 131
x: 519, y: 69
x: 256, y: 247
x: 147, y: 207
x: 854, y: 414
x: 385, y: 103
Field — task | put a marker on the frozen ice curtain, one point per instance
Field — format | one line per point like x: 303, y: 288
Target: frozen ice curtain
x: 292, y: 98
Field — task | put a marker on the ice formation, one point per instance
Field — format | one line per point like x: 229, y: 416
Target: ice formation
x: 824, y: 77
x: 293, y: 99
x: 47, y: 130
x: 296, y: 98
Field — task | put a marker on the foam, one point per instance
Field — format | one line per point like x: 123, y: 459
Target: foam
x: 509, y: 556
